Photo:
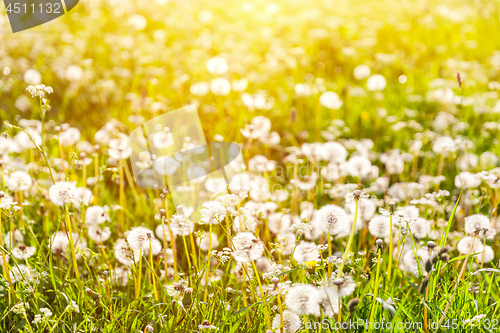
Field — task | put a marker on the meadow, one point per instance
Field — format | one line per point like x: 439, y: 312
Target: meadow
x: 368, y: 179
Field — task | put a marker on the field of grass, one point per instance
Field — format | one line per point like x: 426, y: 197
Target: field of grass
x: 364, y: 198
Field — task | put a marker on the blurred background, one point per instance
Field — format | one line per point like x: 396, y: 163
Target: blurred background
x: 133, y: 60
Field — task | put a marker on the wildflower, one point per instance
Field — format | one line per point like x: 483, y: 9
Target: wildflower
x: 474, y: 221
x: 213, y: 212
x: 19, y: 181
x: 306, y: 252
x: 361, y: 72
x: 330, y: 100
x: 20, y: 308
x: 380, y: 226
x: 139, y: 238
x: 467, y: 180
x: 204, y: 242
x: 119, y: 148
x: 62, y: 193
x: 217, y: 66
x: 6, y: 201
x: 125, y: 254
x: 291, y: 322
x: 60, y: 241
x: 247, y: 247
x: 344, y: 286
x: 161, y: 231
x: 20, y: 272
x: 73, y: 306
x: 199, y: 89
x: 359, y: 166
x: 332, y: 219
x: 38, y: 90
x: 376, y: 83
x: 220, y: 86
x: 99, y: 235
x: 69, y: 137
x: 96, y: 215
x: 207, y: 326
x: 23, y: 252
x: 180, y: 225
x: 303, y: 299
x: 11, y: 238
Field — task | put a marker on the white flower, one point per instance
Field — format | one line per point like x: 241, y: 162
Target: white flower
x: 247, y: 247
x: 217, y: 66
x: 73, y: 307
x: 213, y: 212
x: 474, y: 221
x: 332, y: 219
x: 361, y: 72
x: 207, y: 243
x: 291, y: 322
x: 23, y: 252
x: 376, y: 83
x: 69, y: 137
x: 220, y: 86
x: 139, y: 238
x: 305, y: 252
x: 330, y: 100
x: 19, y: 181
x: 200, y: 89
x: 303, y: 299
x: 124, y: 254
x: 99, y: 235
x: 467, y: 180
x: 96, y: 215
x: 380, y: 226
x: 62, y: 193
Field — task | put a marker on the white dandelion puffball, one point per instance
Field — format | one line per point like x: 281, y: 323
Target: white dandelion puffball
x: 361, y: 72
x: 330, y: 100
x: 96, y: 215
x: 124, y: 254
x: 220, y: 86
x: 19, y: 181
x: 247, y: 247
x: 476, y: 220
x: 303, y: 299
x: 62, y: 193
x: 465, y: 244
x: 208, y: 243
x: 200, y: 89
x: 305, y: 252
x: 137, y: 22
x: 485, y: 255
x: 332, y: 219
x: 217, y: 66
x: 376, y: 83
x: 467, y: 180
x: 359, y: 166
x: 291, y: 322
x: 99, y: 235
x: 139, y: 238
x: 74, y: 73
x: 32, y: 76
x: 380, y: 226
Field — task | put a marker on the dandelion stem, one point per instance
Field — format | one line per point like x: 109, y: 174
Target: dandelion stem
x: 72, y: 245
x: 375, y: 287
x: 5, y: 265
x: 348, y: 247
x: 138, y: 286
x: 262, y: 294
x: 462, y: 271
x: 390, y: 253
